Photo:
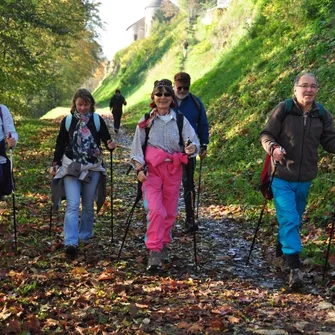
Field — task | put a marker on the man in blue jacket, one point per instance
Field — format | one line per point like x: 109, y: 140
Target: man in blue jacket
x: 194, y: 110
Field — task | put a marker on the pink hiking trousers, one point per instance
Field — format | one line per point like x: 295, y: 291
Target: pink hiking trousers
x: 161, y: 194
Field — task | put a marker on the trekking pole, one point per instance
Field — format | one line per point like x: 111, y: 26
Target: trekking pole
x: 13, y: 193
x: 50, y: 220
x: 190, y: 179
x: 328, y: 248
x: 130, y: 216
x: 194, y: 236
x: 261, y: 215
x: 199, y: 184
x: 50, y: 214
x: 112, y: 197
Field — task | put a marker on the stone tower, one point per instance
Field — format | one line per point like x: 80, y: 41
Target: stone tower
x: 141, y: 28
x: 151, y: 8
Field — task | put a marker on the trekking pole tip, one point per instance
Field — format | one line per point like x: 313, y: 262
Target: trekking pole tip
x: 129, y: 169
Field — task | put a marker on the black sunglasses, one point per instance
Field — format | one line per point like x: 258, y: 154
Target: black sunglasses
x: 186, y: 88
x: 166, y: 94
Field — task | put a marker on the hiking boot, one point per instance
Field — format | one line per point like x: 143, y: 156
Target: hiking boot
x: 296, y: 279
x: 279, y: 251
x: 190, y: 226
x: 155, y: 261
x: 165, y: 254
x: 281, y: 264
x: 71, y: 251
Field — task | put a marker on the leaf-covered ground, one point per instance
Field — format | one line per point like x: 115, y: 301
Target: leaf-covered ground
x: 44, y: 293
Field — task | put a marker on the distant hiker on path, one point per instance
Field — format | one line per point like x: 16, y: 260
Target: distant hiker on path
x: 77, y: 167
x: 9, y: 136
x: 185, y: 46
x: 194, y: 111
x: 159, y: 166
x: 292, y: 136
x: 115, y: 105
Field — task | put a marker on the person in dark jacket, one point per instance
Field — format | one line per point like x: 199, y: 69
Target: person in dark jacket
x: 77, y: 165
x: 293, y: 138
x: 115, y: 105
x: 194, y: 111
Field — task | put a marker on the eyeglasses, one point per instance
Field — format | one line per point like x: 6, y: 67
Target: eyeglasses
x: 166, y: 94
x: 312, y: 87
x: 185, y: 88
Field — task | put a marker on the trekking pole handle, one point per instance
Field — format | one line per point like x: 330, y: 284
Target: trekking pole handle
x: 10, y: 136
x: 283, y: 151
x: 54, y: 166
x: 188, y: 143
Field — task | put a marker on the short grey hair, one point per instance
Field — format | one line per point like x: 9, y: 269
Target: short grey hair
x: 297, y: 78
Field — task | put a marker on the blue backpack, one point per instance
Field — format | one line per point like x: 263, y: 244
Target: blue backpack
x: 96, y: 119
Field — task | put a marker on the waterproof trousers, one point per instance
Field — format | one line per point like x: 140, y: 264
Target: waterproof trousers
x: 73, y: 230
x: 160, y: 196
x: 290, y: 201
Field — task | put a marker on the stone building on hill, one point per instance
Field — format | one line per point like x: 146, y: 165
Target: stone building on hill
x: 141, y: 28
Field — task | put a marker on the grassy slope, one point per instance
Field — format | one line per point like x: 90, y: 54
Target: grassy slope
x: 241, y: 66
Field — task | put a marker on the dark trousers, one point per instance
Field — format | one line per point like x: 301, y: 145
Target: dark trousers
x: 117, y: 114
x: 189, y: 187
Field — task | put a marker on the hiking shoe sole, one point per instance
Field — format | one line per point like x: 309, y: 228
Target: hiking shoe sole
x: 71, y: 251
x: 155, y: 261
x: 296, y: 279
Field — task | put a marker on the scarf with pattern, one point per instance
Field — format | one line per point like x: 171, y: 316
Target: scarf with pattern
x: 85, y: 150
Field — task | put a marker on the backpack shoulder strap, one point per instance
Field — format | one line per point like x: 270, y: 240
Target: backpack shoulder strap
x: 196, y: 101
x: 68, y: 121
x: 289, y: 106
x: 321, y: 111
x: 180, y: 124
x: 96, y: 120
x: 147, y: 130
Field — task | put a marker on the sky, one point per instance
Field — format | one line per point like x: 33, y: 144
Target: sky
x: 118, y: 15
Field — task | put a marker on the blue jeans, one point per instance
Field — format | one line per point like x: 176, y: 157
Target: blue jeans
x: 73, y: 230
x: 290, y: 202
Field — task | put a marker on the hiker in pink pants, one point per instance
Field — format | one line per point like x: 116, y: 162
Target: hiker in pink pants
x: 160, y: 195
x: 158, y: 159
